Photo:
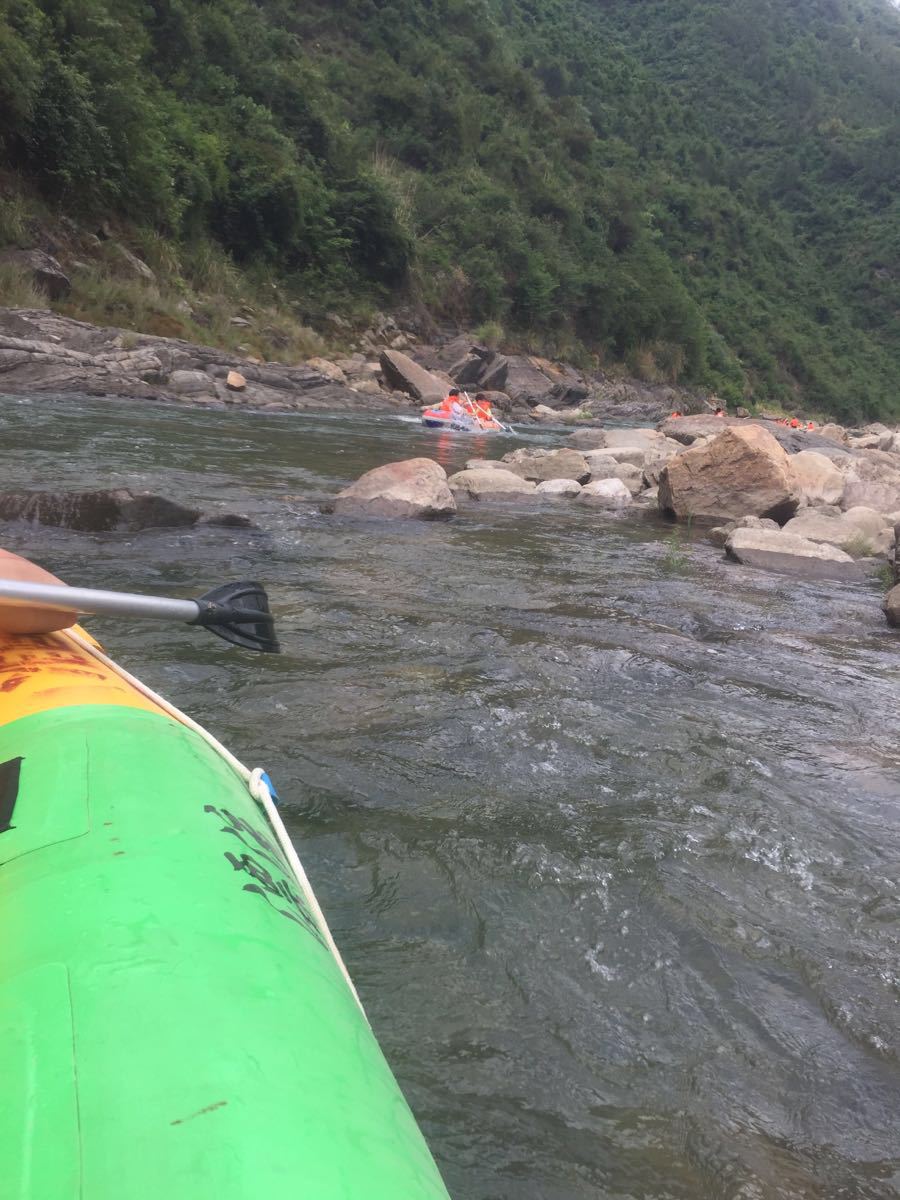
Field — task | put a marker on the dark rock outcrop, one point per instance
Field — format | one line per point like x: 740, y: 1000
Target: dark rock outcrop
x: 97, y: 511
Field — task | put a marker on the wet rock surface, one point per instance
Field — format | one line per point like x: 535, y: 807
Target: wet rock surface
x: 97, y: 511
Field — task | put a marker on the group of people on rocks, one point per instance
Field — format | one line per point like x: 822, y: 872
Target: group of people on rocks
x: 791, y: 422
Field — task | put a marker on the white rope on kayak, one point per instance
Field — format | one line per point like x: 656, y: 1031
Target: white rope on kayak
x: 257, y: 785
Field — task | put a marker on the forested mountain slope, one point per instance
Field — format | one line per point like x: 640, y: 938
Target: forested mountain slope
x: 707, y: 191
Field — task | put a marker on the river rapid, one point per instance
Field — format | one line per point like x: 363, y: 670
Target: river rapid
x: 607, y: 828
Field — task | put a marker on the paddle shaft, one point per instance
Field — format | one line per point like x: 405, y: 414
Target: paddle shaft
x: 90, y: 600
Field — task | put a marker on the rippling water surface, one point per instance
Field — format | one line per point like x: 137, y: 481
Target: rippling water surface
x: 608, y: 832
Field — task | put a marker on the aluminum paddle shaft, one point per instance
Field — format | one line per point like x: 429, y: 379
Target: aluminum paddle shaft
x: 237, y: 612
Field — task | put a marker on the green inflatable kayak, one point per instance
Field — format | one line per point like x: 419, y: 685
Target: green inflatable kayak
x: 174, y: 1024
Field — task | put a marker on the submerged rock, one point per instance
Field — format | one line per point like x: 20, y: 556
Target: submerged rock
x: 775, y: 550
x: 742, y: 471
x: 97, y: 511
x: 413, y: 488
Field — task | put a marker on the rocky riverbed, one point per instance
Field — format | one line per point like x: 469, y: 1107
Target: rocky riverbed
x: 795, y: 501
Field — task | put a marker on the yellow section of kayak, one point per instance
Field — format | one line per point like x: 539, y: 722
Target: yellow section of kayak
x: 39, y: 672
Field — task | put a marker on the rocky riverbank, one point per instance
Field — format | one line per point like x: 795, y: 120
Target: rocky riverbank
x: 42, y: 352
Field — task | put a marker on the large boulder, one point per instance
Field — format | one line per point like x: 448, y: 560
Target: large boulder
x: 46, y: 273
x: 775, y: 550
x: 873, y: 480
x: 415, y: 487
x: 859, y: 531
x: 403, y: 375
x: 605, y: 493
x: 818, y: 480
x: 742, y: 471
x: 97, y: 511
x: 539, y: 465
x: 490, y: 484
x: 891, y: 606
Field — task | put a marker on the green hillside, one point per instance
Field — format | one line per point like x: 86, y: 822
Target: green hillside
x: 706, y: 192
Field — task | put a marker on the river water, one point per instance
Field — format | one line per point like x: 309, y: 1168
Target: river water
x: 607, y: 829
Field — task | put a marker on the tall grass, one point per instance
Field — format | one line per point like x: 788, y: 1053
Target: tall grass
x: 18, y: 289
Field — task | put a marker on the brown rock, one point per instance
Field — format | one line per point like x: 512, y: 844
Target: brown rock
x: 553, y: 464
x: 414, y: 488
x: 742, y: 471
x: 891, y: 606
x: 235, y: 381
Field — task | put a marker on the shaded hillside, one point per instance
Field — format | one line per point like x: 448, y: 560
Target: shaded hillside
x: 620, y: 178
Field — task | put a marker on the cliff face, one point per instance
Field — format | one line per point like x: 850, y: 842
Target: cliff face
x: 706, y: 191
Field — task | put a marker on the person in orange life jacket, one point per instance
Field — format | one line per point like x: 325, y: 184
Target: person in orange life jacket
x: 674, y: 414
x: 810, y: 426
x: 795, y: 424
x: 720, y: 412
x: 483, y: 407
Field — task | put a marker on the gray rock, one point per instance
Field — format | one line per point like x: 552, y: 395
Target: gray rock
x: 539, y: 465
x: 588, y: 439
x: 605, y: 493
x: 859, y: 531
x: 413, y: 488
x: 720, y: 534
x: 490, y: 484
x: 45, y: 271
x: 402, y: 374
x: 775, y: 550
x: 130, y: 264
x: 97, y: 511
x: 559, y: 487
x: 189, y: 383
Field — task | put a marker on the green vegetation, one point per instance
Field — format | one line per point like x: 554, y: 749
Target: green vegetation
x: 703, y: 191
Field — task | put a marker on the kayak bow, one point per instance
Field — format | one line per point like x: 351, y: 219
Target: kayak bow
x: 174, y: 1023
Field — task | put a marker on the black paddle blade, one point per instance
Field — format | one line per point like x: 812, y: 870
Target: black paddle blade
x: 239, y: 613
